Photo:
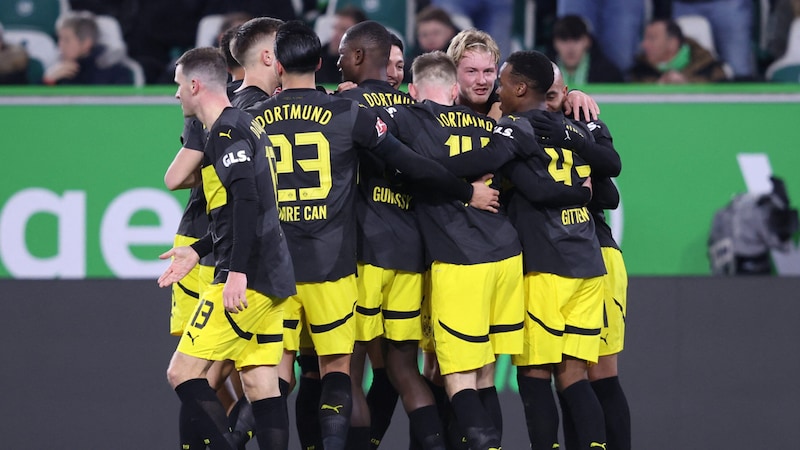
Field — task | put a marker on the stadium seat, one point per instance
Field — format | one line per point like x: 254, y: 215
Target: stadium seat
x: 523, y: 32
x: 208, y: 30
x: 111, y: 38
x: 699, y: 28
x: 787, y: 67
x: 41, y: 48
x: 32, y: 14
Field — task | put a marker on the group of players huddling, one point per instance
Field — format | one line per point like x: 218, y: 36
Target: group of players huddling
x: 325, y: 228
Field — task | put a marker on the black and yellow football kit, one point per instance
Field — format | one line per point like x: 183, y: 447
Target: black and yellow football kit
x: 389, y: 245
x: 476, y: 273
x: 316, y: 139
x: 239, y: 188
x: 562, y: 259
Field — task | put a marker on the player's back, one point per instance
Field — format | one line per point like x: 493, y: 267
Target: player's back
x: 236, y: 141
x: 453, y: 232
x: 388, y: 236
x: 313, y: 135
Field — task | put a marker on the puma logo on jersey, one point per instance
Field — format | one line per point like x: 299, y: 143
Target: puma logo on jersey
x: 189, y: 333
x: 232, y: 158
x: 604, y: 339
x: 332, y: 408
x: 597, y: 445
x: 227, y: 135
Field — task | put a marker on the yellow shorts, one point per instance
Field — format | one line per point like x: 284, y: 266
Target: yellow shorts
x: 186, y: 293
x: 253, y: 337
x: 427, y: 343
x: 388, y: 304
x: 467, y: 302
x: 326, y: 311
x: 564, y: 317
x: 615, y: 302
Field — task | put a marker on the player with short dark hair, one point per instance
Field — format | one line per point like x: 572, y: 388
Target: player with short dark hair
x: 252, y: 46
x: 240, y: 315
x: 395, y: 70
x: 604, y: 376
x: 563, y: 262
x: 316, y: 138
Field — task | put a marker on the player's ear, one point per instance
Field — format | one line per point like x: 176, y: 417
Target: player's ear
x: 266, y: 57
x: 319, y: 65
x: 521, y: 89
x: 358, y: 56
x: 412, y: 91
x: 279, y: 68
x: 454, y: 92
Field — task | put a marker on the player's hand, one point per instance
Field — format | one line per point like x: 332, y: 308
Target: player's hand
x: 183, y: 261
x: 580, y: 102
x: 555, y: 130
x: 346, y: 86
x: 483, y: 196
x: 234, y: 294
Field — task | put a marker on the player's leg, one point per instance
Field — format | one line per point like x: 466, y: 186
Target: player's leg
x: 584, y: 320
x: 358, y: 435
x: 541, y: 413
x: 269, y: 410
x: 381, y: 396
x: 460, y: 315
x: 332, y: 329
x: 604, y: 376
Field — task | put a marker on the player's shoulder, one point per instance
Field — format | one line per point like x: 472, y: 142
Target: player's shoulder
x: 232, y: 124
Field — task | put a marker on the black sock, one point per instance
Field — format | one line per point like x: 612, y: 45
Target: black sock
x: 306, y: 417
x: 616, y: 412
x: 188, y: 430
x: 491, y: 402
x: 381, y: 399
x: 272, y: 424
x: 587, y: 415
x: 567, y: 425
x: 541, y: 414
x: 476, y: 423
x: 242, y: 423
x: 426, y: 428
x: 358, y: 438
x: 335, y: 407
x: 202, y: 403
x: 440, y: 397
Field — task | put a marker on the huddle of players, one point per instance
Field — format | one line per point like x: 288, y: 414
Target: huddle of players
x: 341, y: 177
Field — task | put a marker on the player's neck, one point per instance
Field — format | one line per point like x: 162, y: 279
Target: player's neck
x: 298, y: 81
x: 375, y: 74
x: 212, y: 108
x: 480, y: 108
x: 267, y: 82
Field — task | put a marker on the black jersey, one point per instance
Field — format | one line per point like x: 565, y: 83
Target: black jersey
x: 194, y: 221
x: 453, y: 232
x: 238, y: 151
x: 605, y: 163
x: 313, y: 135
x: 387, y: 231
x: 548, y: 207
x: 247, y: 97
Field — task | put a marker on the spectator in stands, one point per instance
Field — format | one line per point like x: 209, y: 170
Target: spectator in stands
x: 83, y: 59
x: 615, y: 24
x: 435, y: 29
x: 491, y: 16
x: 279, y: 9
x: 577, y: 56
x: 731, y: 24
x: 668, y: 57
x: 13, y: 62
x: 345, y: 18
x: 784, y: 12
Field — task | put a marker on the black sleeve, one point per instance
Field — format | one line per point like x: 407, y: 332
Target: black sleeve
x: 421, y: 169
x: 193, y: 135
x: 604, y: 194
x: 245, y: 215
x: 203, y: 246
x: 543, y: 191
x: 600, y: 153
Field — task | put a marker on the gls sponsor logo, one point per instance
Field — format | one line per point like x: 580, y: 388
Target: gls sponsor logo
x: 232, y: 158
x: 504, y: 131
